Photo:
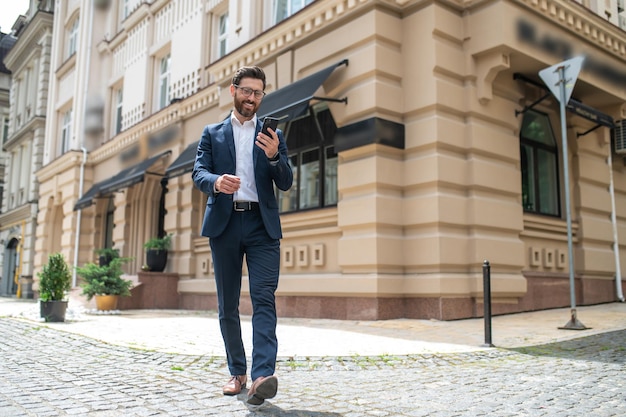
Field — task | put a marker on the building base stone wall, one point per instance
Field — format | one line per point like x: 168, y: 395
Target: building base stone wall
x: 543, y: 293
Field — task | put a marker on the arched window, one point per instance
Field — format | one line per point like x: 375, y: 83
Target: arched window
x: 540, y: 174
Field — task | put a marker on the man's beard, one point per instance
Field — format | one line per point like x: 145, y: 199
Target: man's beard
x: 245, y: 112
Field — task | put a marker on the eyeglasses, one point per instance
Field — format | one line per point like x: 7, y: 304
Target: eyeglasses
x: 247, y: 91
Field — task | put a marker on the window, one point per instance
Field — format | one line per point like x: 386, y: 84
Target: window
x: 222, y: 35
x: 164, y: 82
x: 117, y: 111
x: 282, y: 9
x: 109, y: 223
x: 540, y: 179
x: 72, y: 38
x: 5, y: 130
x: 66, y: 131
x: 314, y: 162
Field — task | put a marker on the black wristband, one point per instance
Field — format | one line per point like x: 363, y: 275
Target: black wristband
x: 275, y: 157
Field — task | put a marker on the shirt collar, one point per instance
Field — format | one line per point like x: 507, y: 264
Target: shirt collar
x: 234, y: 120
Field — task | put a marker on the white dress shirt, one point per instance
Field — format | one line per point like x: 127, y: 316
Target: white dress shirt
x: 244, y: 165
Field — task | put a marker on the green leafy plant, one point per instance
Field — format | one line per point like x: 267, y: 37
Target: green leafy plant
x: 159, y: 243
x: 54, y: 279
x: 104, y: 279
x: 109, y: 253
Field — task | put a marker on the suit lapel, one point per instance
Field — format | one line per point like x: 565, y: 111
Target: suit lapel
x: 230, y: 139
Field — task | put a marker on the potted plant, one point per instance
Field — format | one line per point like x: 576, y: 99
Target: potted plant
x: 54, y: 283
x: 106, y: 255
x: 156, y: 252
x: 105, y: 283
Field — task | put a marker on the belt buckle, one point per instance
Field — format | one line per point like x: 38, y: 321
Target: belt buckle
x: 238, y: 208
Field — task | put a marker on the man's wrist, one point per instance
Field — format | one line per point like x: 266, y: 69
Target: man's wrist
x: 275, y: 158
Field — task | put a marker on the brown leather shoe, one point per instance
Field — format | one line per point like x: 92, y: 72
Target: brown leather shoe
x: 262, y: 388
x: 235, y: 384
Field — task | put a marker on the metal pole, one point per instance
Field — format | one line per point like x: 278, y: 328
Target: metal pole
x: 573, y: 324
x: 487, y: 302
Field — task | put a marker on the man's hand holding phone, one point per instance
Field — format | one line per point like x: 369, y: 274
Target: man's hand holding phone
x: 267, y: 139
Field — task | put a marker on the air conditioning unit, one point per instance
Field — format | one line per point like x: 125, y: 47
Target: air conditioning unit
x: 619, y: 136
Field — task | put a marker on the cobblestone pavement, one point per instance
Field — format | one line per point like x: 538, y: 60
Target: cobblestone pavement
x: 48, y: 372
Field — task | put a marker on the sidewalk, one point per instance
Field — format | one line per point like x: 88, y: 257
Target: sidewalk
x: 197, y: 332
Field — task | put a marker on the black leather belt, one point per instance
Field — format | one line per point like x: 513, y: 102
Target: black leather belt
x: 245, y: 205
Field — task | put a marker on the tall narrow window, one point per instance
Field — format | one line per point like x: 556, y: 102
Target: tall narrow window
x: 66, y: 131
x: 5, y: 130
x: 119, y: 97
x: 109, y: 224
x: 540, y: 179
x: 164, y: 82
x: 222, y: 35
x: 72, y: 38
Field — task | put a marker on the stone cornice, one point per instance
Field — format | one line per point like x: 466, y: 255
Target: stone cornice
x: 17, y: 215
x: 32, y: 124
x: 39, y: 26
x: 577, y: 19
x: 60, y: 166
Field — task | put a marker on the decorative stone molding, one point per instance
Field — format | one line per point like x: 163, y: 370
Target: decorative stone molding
x: 488, y: 66
x: 582, y: 21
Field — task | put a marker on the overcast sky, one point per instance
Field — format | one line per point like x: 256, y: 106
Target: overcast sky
x: 9, y: 11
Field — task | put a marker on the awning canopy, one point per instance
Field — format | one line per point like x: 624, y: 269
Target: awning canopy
x: 124, y: 179
x: 184, y: 163
x: 286, y: 103
x: 293, y: 100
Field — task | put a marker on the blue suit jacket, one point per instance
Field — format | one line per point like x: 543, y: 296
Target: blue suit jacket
x: 216, y: 156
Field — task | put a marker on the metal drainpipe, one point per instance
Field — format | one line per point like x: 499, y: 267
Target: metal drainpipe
x: 82, y: 148
x: 618, y: 272
x: 79, y: 215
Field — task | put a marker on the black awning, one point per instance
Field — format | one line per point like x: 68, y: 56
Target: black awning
x: 124, y: 179
x: 184, y: 163
x: 293, y: 100
x: 87, y: 198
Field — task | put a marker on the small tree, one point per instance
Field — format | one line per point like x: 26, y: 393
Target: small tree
x: 104, y: 279
x: 54, y: 279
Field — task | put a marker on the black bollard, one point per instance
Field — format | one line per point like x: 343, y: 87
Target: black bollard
x: 487, y: 302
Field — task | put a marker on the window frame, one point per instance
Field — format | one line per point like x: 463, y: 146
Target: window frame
x: 66, y: 130
x: 163, y: 76
x: 221, y: 34
x: 539, y: 164
x: 118, y: 106
x: 295, y: 199
x: 290, y: 7
x: 72, y: 37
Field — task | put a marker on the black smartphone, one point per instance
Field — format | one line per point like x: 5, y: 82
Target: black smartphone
x: 269, y: 122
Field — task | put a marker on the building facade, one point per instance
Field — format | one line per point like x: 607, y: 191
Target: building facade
x: 29, y: 62
x: 422, y: 140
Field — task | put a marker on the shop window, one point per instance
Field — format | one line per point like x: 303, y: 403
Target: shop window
x: 314, y: 162
x: 540, y: 179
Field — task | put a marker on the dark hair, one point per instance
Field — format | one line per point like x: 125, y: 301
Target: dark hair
x: 249, y: 72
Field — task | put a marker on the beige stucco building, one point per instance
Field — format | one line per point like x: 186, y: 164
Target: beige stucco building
x: 422, y: 139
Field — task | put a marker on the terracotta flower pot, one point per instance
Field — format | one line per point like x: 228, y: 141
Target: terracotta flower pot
x: 106, y: 302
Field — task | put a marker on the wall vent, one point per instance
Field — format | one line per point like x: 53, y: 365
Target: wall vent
x: 619, y: 136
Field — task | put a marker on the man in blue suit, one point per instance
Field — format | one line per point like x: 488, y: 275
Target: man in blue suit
x: 237, y: 166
